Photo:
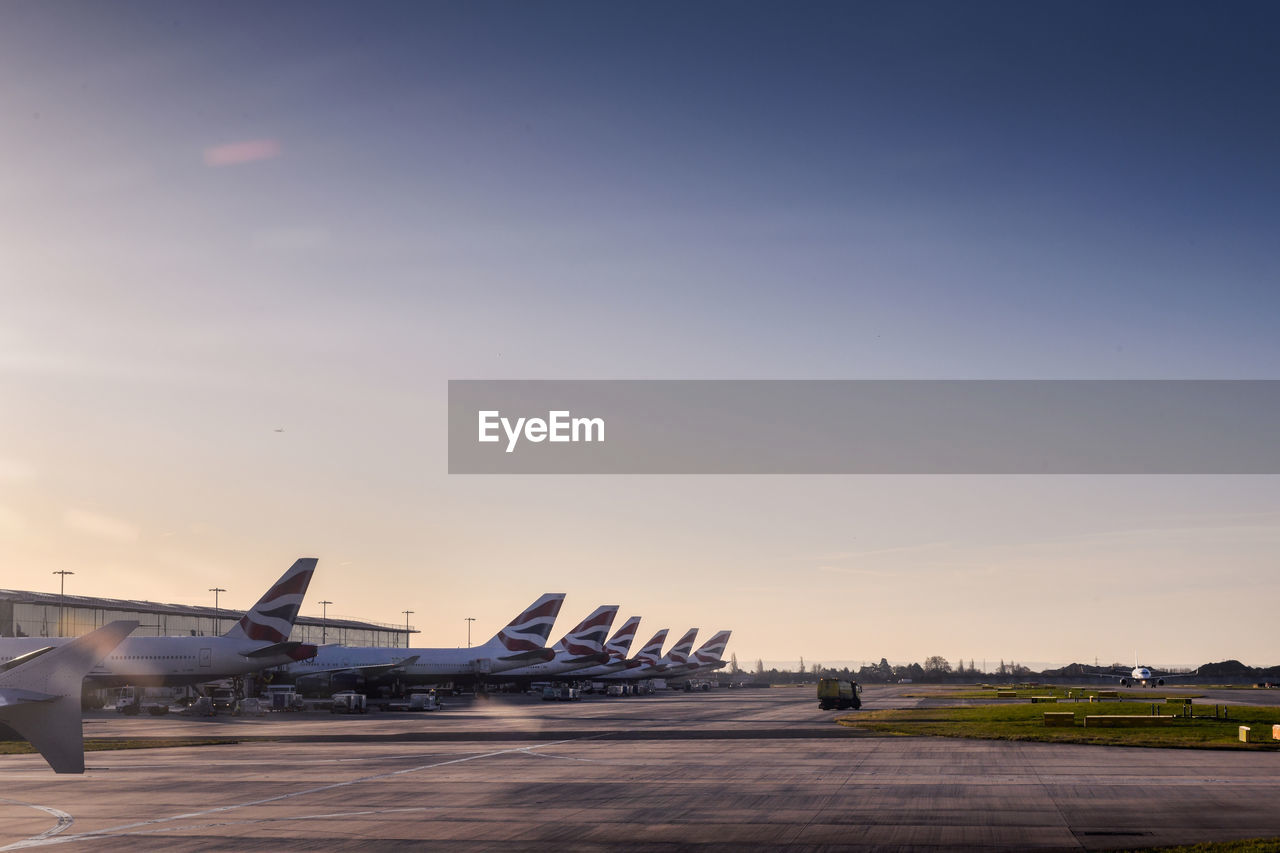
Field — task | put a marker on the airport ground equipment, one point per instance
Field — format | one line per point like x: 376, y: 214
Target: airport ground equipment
x: 349, y: 702
x: 836, y: 693
x: 424, y: 701
x: 283, y: 697
x: 223, y: 699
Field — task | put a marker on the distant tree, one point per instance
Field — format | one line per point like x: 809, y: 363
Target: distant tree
x: 759, y: 666
x: 936, y: 663
x: 972, y: 668
x: 817, y: 670
x: 802, y: 669
x: 733, y: 664
x: 886, y: 671
x: 913, y: 671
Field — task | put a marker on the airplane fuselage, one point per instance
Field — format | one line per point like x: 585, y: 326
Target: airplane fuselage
x: 160, y: 661
x: 431, y: 664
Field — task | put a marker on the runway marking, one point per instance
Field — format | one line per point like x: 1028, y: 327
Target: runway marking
x: 187, y: 827
x: 526, y: 751
x: 64, y: 820
x: 130, y: 828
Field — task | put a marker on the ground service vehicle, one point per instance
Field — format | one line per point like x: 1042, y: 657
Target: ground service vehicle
x: 224, y: 699
x: 836, y: 693
x: 282, y: 697
x: 348, y: 702
x: 424, y: 701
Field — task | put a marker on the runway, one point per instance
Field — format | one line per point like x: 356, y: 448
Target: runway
x: 721, y: 770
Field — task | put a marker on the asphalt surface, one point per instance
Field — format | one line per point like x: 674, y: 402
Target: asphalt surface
x: 727, y: 770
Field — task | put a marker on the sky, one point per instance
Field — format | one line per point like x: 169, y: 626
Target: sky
x: 245, y: 246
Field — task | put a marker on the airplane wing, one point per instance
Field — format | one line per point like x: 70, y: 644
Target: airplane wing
x: 531, y: 656
x: 587, y: 660
x: 282, y: 649
x: 40, y: 697
x: 21, y: 659
x: 371, y: 670
x: 1155, y: 679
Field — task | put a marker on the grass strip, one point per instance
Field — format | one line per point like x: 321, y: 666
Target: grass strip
x: 1025, y: 722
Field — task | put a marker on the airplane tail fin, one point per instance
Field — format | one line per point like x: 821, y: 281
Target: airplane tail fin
x: 271, y: 619
x: 651, y: 653
x: 620, y: 643
x: 680, y: 652
x: 528, y: 632
x: 588, y: 637
x: 712, y: 650
x: 40, y: 698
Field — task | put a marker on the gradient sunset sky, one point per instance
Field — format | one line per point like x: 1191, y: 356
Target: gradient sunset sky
x: 222, y: 220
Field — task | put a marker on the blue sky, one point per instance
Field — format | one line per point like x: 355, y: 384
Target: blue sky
x: 225, y: 219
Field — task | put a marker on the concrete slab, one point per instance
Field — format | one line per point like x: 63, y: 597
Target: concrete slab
x: 717, y: 771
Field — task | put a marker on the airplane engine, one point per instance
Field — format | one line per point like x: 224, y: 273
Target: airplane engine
x: 346, y: 681
x: 1159, y: 682
x: 1124, y: 682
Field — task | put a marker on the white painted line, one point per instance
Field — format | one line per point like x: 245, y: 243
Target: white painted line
x: 64, y: 820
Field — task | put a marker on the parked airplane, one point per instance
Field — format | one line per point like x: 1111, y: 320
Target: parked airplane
x: 677, y: 657
x: 259, y: 640
x: 649, y: 655
x: 617, y: 649
x: 582, y: 646
x: 706, y: 659
x: 521, y: 642
x: 40, y: 693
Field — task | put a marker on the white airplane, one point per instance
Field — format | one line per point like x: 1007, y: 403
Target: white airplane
x: 259, y: 640
x: 521, y: 642
x: 617, y: 649
x: 40, y: 694
x: 651, y: 668
x: 582, y: 646
x: 706, y: 659
x: 1143, y: 676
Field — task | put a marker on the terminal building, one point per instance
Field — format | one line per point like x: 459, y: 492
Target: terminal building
x: 43, y: 614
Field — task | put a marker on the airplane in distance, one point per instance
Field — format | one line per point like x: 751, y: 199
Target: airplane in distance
x: 616, y: 649
x: 582, y: 646
x: 40, y: 693
x: 258, y: 641
x: 1142, y: 676
x: 520, y: 643
x: 677, y: 657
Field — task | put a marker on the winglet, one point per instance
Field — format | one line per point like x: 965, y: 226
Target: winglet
x: 40, y: 699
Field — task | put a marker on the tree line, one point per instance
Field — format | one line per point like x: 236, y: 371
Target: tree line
x: 937, y: 669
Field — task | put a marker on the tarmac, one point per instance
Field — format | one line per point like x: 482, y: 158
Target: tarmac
x: 723, y: 770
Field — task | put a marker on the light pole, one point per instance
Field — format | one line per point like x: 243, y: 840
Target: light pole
x: 324, y: 616
x: 217, y: 624
x: 470, y: 619
x: 406, y: 627
x: 62, y: 595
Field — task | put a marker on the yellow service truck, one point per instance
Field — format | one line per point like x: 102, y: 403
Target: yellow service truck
x: 835, y: 693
